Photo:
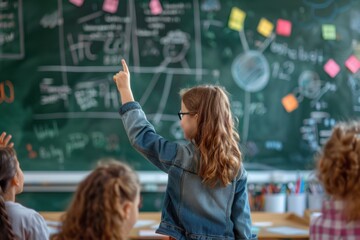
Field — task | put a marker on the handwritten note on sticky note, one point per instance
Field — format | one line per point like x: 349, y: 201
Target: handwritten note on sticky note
x: 236, y: 19
x: 331, y: 68
x: 283, y: 27
x: 155, y: 7
x: 110, y: 6
x: 353, y: 64
x: 328, y: 32
x: 77, y: 2
x: 265, y: 27
x: 290, y: 102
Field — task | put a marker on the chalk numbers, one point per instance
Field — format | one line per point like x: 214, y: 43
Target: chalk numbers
x: 7, y: 93
x: 283, y: 70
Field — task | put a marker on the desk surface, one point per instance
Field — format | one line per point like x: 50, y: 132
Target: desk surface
x: 269, y: 225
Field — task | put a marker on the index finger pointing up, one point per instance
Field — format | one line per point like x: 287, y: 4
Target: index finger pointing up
x: 125, y: 67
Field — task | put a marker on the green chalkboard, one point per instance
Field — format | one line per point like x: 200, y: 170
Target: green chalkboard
x: 57, y: 59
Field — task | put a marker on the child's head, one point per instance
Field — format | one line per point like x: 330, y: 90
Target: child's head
x: 11, y: 183
x: 105, y: 205
x: 210, y: 106
x: 11, y: 175
x: 339, y: 166
x: 207, y: 120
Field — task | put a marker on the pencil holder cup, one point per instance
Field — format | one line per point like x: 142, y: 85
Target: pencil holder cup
x: 275, y: 202
x: 296, y: 203
x: 315, y: 201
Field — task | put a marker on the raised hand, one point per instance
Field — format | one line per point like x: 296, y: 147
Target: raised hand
x: 122, y: 80
x: 4, y: 140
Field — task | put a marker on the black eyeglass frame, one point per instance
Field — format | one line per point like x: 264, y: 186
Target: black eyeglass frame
x: 180, y: 114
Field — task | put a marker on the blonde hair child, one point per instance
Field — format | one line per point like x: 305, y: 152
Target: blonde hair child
x: 105, y: 204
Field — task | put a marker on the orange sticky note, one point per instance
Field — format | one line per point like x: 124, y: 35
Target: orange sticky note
x: 283, y: 27
x: 265, y: 27
x: 353, y: 64
x: 290, y: 102
x: 236, y: 19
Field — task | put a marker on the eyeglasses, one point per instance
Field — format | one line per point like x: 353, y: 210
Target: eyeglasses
x: 180, y: 114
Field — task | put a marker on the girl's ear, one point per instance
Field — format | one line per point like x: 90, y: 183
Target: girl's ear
x: 126, y: 207
x: 15, y: 181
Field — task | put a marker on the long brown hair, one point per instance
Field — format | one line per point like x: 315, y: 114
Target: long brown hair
x: 95, y: 211
x: 7, y: 173
x: 339, y: 167
x: 216, y: 137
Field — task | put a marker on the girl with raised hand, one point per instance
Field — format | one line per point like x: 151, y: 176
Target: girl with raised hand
x: 206, y: 195
x: 16, y: 221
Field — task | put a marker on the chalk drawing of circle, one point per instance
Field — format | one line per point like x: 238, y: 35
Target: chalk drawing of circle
x: 309, y: 84
x: 251, y: 71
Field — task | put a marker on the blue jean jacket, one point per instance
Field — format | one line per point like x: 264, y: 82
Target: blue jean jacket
x: 192, y: 210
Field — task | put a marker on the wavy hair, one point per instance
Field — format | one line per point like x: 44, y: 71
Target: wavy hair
x: 7, y: 173
x: 216, y: 137
x: 96, y: 209
x: 338, y: 167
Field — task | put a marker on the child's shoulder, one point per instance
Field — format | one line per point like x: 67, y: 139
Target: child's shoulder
x: 18, y: 210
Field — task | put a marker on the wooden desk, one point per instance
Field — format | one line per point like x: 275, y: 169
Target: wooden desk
x: 149, y: 220
x: 265, y: 221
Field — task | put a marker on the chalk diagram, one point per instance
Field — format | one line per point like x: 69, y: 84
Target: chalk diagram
x: 317, y: 128
x: 119, y: 42
x: 251, y: 72
x: 172, y: 49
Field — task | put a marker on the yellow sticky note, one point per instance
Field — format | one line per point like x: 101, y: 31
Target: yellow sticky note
x: 265, y: 27
x: 328, y: 32
x: 290, y: 102
x: 237, y: 18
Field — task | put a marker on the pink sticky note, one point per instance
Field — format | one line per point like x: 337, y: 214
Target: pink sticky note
x: 77, y: 2
x: 110, y: 6
x: 331, y: 68
x: 353, y: 64
x: 155, y: 7
x: 283, y: 27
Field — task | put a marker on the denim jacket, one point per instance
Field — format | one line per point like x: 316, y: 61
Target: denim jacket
x: 192, y: 210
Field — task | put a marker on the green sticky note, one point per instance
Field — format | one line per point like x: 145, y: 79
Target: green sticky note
x: 329, y: 32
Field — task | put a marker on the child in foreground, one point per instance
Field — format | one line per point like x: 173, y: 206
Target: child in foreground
x: 206, y: 195
x: 105, y: 205
x: 338, y: 170
x: 16, y: 221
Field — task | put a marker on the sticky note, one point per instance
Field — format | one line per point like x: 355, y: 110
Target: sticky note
x: 265, y: 27
x: 328, y: 32
x: 237, y: 18
x: 110, y: 6
x: 290, y: 102
x: 331, y: 68
x: 353, y: 64
x: 283, y: 27
x: 155, y: 7
x: 77, y: 2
